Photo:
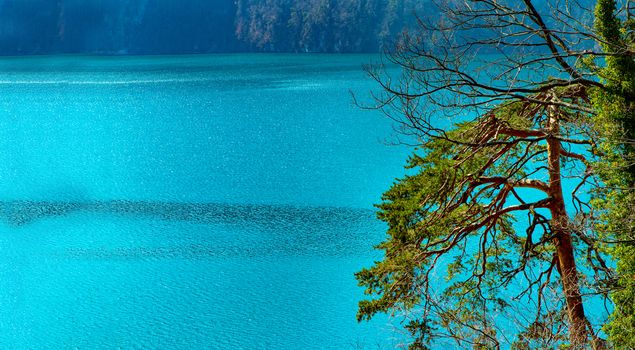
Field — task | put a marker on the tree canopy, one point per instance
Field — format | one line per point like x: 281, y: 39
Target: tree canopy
x: 517, y: 204
x: 616, y: 104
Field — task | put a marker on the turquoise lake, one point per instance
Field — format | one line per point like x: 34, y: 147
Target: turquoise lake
x: 190, y: 202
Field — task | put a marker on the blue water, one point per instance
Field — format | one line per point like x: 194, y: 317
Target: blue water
x: 192, y: 202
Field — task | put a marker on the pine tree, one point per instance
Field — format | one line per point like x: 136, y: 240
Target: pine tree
x: 500, y: 234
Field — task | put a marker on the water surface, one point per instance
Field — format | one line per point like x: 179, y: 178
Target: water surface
x: 191, y: 202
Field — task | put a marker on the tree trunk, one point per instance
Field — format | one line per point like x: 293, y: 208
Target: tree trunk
x: 578, y: 334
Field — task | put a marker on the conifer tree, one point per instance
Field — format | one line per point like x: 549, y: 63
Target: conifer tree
x: 615, y: 107
x: 498, y: 235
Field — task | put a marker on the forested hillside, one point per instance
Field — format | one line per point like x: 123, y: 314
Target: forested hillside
x: 322, y: 25
x: 200, y: 26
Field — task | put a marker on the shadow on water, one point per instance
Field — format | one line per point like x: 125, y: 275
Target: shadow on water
x: 22, y: 212
x: 265, y: 230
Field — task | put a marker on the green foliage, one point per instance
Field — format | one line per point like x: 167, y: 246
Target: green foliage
x: 440, y: 223
x: 451, y: 216
x: 616, y: 120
